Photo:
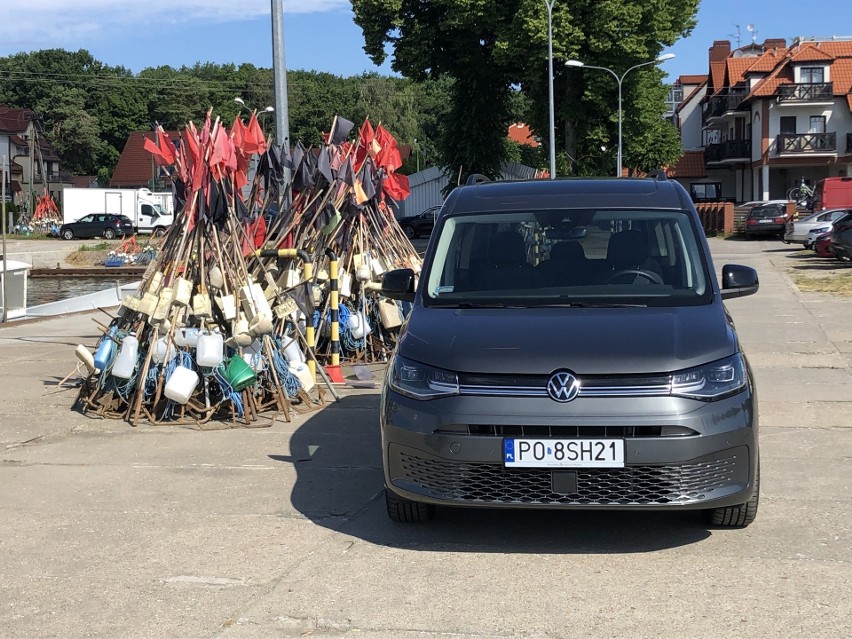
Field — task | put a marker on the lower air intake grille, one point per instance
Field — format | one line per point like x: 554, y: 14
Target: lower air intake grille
x: 633, y: 485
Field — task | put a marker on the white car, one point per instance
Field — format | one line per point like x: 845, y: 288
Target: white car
x: 797, y: 231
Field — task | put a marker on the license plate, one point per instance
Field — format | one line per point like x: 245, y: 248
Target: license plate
x: 563, y: 453
x: 765, y: 221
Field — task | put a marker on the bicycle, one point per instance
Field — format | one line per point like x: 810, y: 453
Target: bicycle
x: 801, y: 194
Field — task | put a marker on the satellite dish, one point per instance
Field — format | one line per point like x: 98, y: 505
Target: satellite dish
x: 750, y: 27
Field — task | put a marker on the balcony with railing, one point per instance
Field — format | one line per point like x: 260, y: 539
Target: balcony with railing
x: 810, y: 92
x: 38, y: 178
x: 728, y: 150
x: 719, y: 105
x: 806, y: 143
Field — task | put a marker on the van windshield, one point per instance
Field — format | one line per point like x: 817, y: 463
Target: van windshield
x: 577, y: 257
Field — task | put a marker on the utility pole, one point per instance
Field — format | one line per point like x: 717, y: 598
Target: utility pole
x: 279, y: 74
x: 32, y: 143
x: 5, y: 259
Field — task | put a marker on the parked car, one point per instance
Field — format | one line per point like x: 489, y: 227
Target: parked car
x: 797, y: 231
x: 418, y: 225
x: 105, y: 225
x: 841, y: 238
x: 741, y: 211
x: 614, y: 380
x: 766, y: 219
x: 822, y: 245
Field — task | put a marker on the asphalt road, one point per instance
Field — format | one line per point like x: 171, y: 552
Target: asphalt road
x: 112, y: 531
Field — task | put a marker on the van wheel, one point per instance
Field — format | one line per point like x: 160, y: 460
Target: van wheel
x: 159, y: 231
x: 405, y: 511
x: 738, y: 516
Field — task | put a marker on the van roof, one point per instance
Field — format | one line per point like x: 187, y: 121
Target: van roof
x: 634, y: 193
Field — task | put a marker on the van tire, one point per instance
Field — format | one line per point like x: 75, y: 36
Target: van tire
x: 738, y: 516
x: 405, y: 511
x: 159, y: 231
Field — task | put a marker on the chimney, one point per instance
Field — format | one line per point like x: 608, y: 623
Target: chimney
x: 774, y: 43
x: 720, y: 50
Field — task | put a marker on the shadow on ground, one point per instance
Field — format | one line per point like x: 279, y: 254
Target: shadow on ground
x: 336, y: 454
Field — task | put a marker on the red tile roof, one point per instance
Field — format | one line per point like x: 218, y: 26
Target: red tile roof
x: 767, y: 62
x: 837, y: 49
x: 809, y: 53
x: 14, y: 120
x: 520, y: 133
x: 692, y: 79
x: 841, y: 76
x: 717, y: 74
x: 737, y: 68
x: 690, y: 165
x: 134, y: 165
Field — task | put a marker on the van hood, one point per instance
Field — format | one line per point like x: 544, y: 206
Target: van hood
x: 587, y: 341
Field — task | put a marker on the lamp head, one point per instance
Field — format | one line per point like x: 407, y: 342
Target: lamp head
x: 239, y: 101
x: 269, y: 109
x: 574, y: 63
x: 665, y: 56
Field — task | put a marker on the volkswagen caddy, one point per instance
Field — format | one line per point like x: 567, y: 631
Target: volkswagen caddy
x: 568, y: 347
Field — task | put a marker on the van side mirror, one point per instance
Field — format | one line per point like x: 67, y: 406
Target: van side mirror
x: 738, y: 281
x: 399, y: 285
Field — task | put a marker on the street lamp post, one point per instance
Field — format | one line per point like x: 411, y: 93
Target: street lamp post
x: 619, y: 80
x: 552, y: 121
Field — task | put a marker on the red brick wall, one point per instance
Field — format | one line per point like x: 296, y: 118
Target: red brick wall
x: 716, y: 217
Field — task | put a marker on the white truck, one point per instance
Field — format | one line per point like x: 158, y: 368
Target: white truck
x: 150, y: 212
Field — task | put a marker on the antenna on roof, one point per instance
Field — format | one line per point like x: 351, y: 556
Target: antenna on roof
x: 737, y: 36
x: 750, y: 27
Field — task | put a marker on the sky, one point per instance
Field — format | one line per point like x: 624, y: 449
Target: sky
x: 321, y: 34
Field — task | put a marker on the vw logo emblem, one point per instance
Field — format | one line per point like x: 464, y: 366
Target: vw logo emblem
x: 563, y: 386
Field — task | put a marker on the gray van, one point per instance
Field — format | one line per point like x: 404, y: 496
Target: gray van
x: 568, y: 347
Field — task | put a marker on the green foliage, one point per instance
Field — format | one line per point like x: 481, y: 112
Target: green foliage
x: 493, y: 46
x: 87, y: 109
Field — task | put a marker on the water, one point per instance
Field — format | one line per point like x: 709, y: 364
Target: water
x: 41, y: 290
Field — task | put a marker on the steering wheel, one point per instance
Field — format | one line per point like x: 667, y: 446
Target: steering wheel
x: 650, y: 275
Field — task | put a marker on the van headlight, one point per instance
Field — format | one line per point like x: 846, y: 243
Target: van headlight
x: 713, y: 381
x: 419, y: 381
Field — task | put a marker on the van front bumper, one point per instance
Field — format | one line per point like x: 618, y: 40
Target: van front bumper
x: 431, y: 454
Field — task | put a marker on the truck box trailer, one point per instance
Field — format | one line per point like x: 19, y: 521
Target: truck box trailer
x: 149, y: 212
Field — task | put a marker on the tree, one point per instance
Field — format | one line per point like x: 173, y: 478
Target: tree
x: 491, y: 46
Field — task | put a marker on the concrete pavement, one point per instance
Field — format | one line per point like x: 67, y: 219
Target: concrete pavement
x: 111, y: 531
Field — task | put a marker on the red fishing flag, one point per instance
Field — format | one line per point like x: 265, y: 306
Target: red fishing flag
x: 151, y: 146
x: 396, y: 186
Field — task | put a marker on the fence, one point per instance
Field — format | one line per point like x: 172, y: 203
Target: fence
x: 716, y: 217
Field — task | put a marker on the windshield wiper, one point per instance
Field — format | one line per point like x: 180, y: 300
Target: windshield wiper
x: 587, y: 305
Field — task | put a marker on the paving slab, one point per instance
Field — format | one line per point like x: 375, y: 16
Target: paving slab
x: 162, y: 531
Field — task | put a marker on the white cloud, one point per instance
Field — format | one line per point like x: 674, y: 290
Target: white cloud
x: 38, y: 24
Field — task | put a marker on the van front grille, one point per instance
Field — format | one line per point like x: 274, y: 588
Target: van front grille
x: 633, y: 485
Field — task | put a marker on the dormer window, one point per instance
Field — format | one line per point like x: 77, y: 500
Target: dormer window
x: 812, y: 75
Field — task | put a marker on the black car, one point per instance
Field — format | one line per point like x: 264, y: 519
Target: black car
x: 766, y: 219
x: 418, y: 225
x: 105, y: 225
x: 841, y: 238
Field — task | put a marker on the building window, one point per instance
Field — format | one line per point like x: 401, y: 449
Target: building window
x: 706, y: 191
x: 812, y: 75
x: 816, y: 124
x: 788, y: 124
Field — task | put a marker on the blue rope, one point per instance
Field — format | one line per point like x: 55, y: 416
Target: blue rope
x: 289, y: 381
x: 228, y: 391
